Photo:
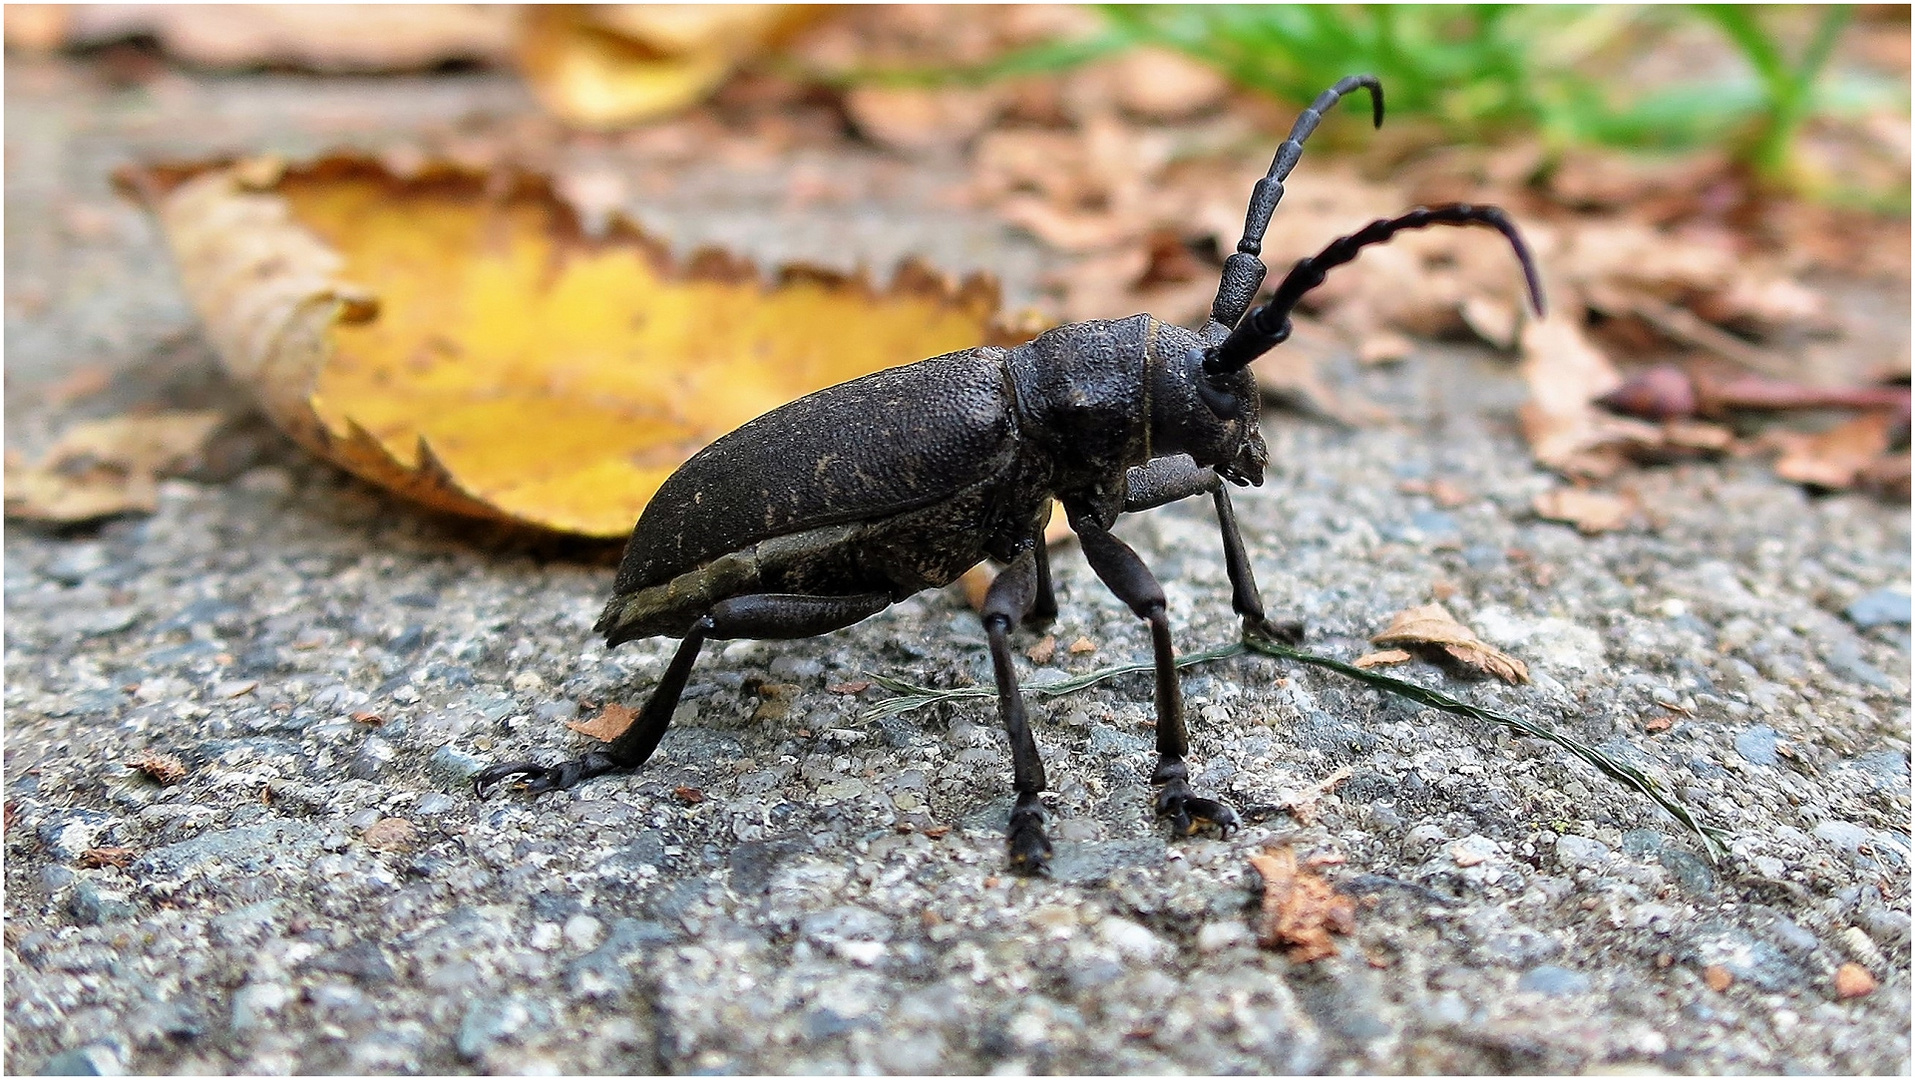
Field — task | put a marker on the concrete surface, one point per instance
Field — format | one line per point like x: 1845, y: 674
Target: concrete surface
x: 322, y: 894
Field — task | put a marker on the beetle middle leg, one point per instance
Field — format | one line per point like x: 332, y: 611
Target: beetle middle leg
x: 1168, y: 479
x: 1011, y: 597
x: 766, y: 616
x: 1120, y: 568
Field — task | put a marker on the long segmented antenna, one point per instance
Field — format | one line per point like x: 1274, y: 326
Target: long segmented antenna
x: 1243, y: 272
x: 1268, y: 325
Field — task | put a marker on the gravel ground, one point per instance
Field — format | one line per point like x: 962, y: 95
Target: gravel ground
x: 323, y: 894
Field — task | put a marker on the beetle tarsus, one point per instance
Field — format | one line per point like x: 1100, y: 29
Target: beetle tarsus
x: 543, y: 778
x: 1030, y: 848
x: 1188, y: 813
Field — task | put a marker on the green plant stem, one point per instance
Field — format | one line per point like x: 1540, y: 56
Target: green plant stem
x: 912, y: 696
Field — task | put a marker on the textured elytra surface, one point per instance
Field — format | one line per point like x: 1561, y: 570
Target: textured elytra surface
x: 1520, y: 913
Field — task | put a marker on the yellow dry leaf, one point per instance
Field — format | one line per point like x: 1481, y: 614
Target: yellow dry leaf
x: 1433, y: 626
x: 603, y: 66
x: 106, y: 467
x: 457, y: 336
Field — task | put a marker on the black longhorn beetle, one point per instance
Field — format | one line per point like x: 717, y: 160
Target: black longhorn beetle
x: 829, y: 509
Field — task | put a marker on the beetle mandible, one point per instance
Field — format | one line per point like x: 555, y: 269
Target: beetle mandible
x: 835, y: 506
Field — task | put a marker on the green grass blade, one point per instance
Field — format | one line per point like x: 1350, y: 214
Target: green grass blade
x: 1621, y: 771
x: 912, y: 697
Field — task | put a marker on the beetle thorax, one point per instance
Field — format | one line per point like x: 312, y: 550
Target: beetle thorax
x: 1082, y: 396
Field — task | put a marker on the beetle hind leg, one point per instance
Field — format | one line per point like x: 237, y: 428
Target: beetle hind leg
x: 766, y: 616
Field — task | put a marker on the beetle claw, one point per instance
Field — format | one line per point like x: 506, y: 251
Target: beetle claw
x: 1282, y: 631
x: 1190, y: 813
x: 497, y: 775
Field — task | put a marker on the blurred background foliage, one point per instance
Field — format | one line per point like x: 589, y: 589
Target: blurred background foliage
x: 1486, y: 72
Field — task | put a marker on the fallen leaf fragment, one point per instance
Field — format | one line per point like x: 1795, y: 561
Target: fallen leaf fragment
x: 1302, y: 805
x: 1083, y: 646
x: 1852, y: 980
x: 1432, y: 626
x: 690, y: 796
x: 855, y: 686
x: 1381, y: 658
x: 1835, y: 458
x: 1566, y: 374
x: 1717, y: 977
x: 608, y: 65
x: 101, y: 468
x: 316, y: 37
x: 163, y: 768
x: 609, y: 724
x: 106, y: 856
x: 458, y: 336
x: 1591, y: 512
x: 922, y: 117
x: 390, y: 834
x: 1043, y: 651
x: 1658, y: 723
x: 1300, y: 909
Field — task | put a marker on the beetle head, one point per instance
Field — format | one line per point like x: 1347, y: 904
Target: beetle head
x: 1213, y: 418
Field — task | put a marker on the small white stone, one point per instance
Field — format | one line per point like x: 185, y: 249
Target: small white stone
x: 864, y: 953
x: 545, y: 936
x: 582, y: 931
x: 1218, y: 936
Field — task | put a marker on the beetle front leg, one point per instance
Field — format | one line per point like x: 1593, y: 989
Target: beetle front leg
x: 1168, y: 479
x: 1011, y: 595
x: 766, y: 616
x: 1127, y: 576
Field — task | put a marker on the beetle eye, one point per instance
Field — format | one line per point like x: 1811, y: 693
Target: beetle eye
x: 1221, y: 402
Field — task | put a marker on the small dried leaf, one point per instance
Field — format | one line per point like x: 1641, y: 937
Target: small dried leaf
x: 1431, y: 626
x: 922, y: 117
x: 105, y: 467
x: 1852, y: 981
x: 1566, y: 373
x: 314, y: 37
x: 609, y: 724
x: 856, y: 686
x: 1381, y: 658
x: 107, y: 856
x: 1302, y: 805
x: 390, y: 834
x: 163, y: 768
x: 1835, y: 458
x: 1590, y: 511
x: 690, y: 796
x: 1044, y: 651
x: 1083, y: 646
x: 1300, y: 909
x: 1158, y: 84
x: 1658, y: 723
